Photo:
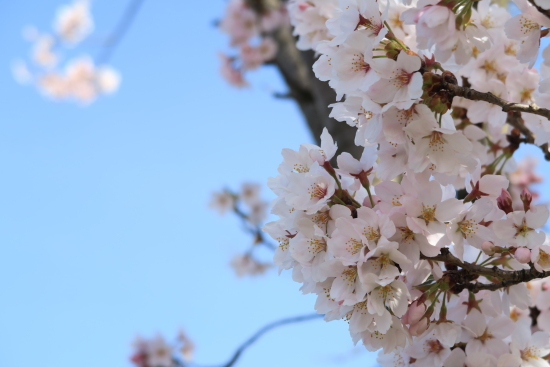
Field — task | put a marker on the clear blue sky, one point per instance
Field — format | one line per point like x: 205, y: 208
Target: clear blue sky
x: 104, y: 227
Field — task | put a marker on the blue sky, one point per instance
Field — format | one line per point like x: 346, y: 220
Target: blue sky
x: 104, y: 226
x: 105, y: 231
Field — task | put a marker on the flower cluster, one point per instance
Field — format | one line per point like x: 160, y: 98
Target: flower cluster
x: 419, y: 244
x: 252, y: 210
x: 156, y: 352
x: 251, y: 33
x: 80, y: 78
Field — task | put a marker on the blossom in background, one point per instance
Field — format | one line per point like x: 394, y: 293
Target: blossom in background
x: 78, y: 79
x: 252, y: 34
x: 245, y: 265
x: 74, y: 21
x: 222, y: 202
x: 157, y: 352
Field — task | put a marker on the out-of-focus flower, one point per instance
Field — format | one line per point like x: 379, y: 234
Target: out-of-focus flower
x: 74, y: 21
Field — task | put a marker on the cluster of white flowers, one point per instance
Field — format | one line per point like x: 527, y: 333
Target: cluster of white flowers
x: 384, y: 241
x: 156, y: 352
x: 249, y: 32
x: 252, y: 210
x: 80, y: 79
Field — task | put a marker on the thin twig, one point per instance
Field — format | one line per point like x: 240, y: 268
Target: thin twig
x: 256, y: 231
x: 120, y: 31
x: 259, y: 333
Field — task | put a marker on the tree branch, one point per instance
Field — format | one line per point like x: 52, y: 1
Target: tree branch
x: 312, y: 95
x: 259, y: 333
x: 514, y: 118
x: 471, y: 271
x: 543, y: 11
x: 489, y: 97
x: 120, y: 31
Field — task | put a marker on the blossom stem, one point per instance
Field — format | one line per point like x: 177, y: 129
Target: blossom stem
x: 486, y: 260
x: 337, y: 199
x: 393, y: 38
x: 367, y: 186
x: 478, y: 256
x: 443, y: 310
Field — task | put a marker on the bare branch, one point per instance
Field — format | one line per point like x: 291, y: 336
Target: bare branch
x: 257, y: 335
x: 120, y: 31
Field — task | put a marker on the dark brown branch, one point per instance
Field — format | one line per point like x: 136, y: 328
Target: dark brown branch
x: 507, y: 277
x: 514, y: 117
x: 312, y: 95
x: 489, y: 97
x: 120, y: 31
x: 543, y: 11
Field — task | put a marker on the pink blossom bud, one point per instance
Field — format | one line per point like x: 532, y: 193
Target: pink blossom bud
x: 504, y: 202
x: 526, y: 198
x: 304, y: 5
x: 523, y: 255
x: 418, y: 328
x: 488, y: 248
x: 414, y: 313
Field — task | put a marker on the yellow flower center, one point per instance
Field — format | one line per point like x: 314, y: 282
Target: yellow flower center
x: 428, y: 213
x: 317, y: 191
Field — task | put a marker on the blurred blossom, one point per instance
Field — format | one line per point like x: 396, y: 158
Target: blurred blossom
x: 107, y: 79
x: 258, y: 212
x: 231, y: 74
x: 156, y: 352
x: 251, y: 33
x: 250, y: 193
x: 187, y: 346
x: 79, y: 79
x: 525, y: 173
x: 43, y: 54
x: 222, y: 202
x: 244, y: 265
x: 74, y: 21
x: 53, y: 85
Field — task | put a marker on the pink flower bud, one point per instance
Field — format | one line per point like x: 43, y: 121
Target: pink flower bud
x: 526, y: 198
x: 418, y: 328
x: 523, y: 255
x: 304, y: 5
x: 488, y: 248
x: 504, y: 202
x: 414, y: 313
